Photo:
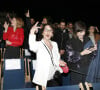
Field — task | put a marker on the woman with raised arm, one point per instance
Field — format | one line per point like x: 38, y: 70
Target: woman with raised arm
x: 13, y: 36
x: 48, y: 57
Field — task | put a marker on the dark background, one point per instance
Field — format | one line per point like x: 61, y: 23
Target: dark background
x: 70, y: 10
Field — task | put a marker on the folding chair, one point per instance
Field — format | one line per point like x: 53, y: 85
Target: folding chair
x: 27, y: 61
x: 13, y: 74
x: 32, y: 68
x: 66, y: 79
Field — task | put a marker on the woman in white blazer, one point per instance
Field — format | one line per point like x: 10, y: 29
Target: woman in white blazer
x: 45, y: 50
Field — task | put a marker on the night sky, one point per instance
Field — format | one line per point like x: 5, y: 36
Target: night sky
x: 70, y: 10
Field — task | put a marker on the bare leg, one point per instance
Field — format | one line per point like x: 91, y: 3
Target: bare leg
x: 81, y: 86
x: 88, y: 85
x: 37, y: 88
x: 43, y: 88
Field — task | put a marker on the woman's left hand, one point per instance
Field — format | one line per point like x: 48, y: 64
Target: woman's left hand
x: 8, y: 42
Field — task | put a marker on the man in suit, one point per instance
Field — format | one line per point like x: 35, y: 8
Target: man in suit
x: 61, y: 36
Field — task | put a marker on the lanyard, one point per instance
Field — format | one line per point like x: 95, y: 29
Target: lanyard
x: 49, y: 54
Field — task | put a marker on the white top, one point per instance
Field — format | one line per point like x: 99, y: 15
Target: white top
x: 92, y: 39
x: 44, y: 67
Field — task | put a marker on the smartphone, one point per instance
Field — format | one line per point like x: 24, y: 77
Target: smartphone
x: 90, y: 47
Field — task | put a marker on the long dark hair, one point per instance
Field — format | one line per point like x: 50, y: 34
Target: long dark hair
x: 78, y: 27
x: 95, y: 30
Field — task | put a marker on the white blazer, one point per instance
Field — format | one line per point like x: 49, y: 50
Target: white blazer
x: 44, y: 67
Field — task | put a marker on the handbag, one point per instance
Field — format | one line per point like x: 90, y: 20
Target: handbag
x: 57, y: 75
x: 65, y: 68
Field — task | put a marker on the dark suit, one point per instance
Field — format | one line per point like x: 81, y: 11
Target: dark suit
x: 61, y: 37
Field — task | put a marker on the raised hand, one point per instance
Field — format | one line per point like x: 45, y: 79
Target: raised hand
x: 8, y: 16
x: 97, y: 29
x: 6, y: 26
x: 27, y: 14
x: 35, y: 28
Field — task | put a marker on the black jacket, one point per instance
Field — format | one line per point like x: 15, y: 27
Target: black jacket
x: 61, y: 37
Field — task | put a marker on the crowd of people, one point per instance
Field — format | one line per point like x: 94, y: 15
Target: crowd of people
x: 52, y: 44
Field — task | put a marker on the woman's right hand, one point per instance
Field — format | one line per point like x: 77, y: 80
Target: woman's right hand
x: 6, y: 26
x: 27, y: 14
x: 89, y: 50
x: 35, y: 28
x: 85, y: 52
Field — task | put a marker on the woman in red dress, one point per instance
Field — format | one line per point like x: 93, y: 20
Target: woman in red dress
x: 14, y: 37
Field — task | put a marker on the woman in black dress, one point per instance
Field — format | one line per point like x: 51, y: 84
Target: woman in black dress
x: 77, y: 57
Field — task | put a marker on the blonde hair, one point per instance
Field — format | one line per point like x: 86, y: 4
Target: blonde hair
x: 20, y: 22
